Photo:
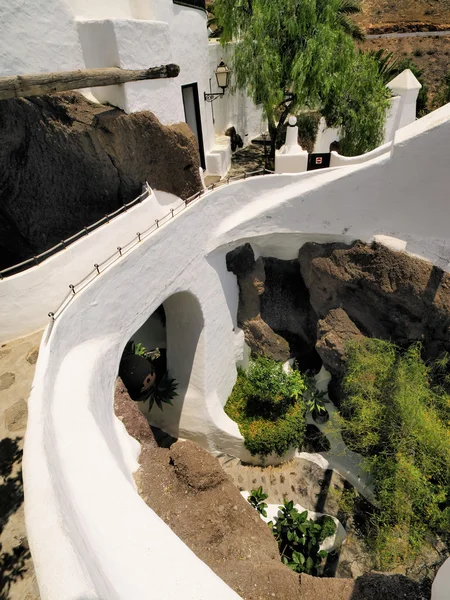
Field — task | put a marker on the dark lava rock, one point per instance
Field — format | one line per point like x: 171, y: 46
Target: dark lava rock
x: 241, y: 260
x: 285, y: 304
x: 333, y: 332
x: 65, y: 162
x: 387, y: 294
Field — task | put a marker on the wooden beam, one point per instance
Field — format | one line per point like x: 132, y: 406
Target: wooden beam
x: 21, y: 86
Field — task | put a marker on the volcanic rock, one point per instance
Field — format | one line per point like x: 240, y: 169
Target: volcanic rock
x: 333, y: 332
x: 65, y: 162
x: 387, y: 294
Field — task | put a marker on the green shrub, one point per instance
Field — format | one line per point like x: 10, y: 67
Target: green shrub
x: 268, y: 423
x: 269, y: 382
x: 299, y: 539
x: 396, y: 413
x: 328, y: 527
x: 256, y: 499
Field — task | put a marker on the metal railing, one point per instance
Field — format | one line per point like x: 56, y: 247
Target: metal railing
x: 63, y: 244
x: 99, y: 268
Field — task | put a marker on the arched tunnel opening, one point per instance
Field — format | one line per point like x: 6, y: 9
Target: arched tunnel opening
x: 162, y: 365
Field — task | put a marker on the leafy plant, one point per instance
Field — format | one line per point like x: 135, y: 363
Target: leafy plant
x: 328, y: 527
x: 139, y: 349
x: 299, y: 539
x: 267, y: 426
x: 256, y: 499
x: 269, y: 382
x: 396, y: 413
x: 315, y: 402
x: 163, y: 392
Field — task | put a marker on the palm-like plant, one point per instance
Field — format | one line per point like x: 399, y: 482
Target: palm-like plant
x: 163, y: 392
x: 345, y: 10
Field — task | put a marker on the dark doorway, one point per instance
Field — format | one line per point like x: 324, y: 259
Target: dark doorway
x: 192, y: 116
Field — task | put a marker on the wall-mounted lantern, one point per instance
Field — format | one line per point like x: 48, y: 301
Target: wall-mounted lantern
x: 223, y: 81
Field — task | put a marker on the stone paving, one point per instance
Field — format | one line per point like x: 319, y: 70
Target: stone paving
x: 17, y: 366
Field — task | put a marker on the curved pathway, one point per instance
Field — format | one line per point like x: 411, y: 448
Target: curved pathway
x: 408, y: 34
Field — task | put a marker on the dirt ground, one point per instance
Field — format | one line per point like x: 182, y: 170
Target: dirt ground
x: 380, y: 12
x: 431, y: 54
x: 17, y: 366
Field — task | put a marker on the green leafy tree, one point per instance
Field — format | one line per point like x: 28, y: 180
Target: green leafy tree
x: 296, y: 54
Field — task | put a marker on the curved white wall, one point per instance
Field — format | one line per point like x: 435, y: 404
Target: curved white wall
x: 337, y: 160
x: 90, y: 533
x: 25, y: 297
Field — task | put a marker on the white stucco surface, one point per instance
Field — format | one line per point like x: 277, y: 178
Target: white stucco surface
x: 90, y: 533
x: 25, y: 297
x: 235, y: 109
x: 63, y: 35
x: 337, y: 160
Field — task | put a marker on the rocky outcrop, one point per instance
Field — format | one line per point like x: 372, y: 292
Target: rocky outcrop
x: 387, y: 294
x: 251, y: 277
x: 65, y: 162
x: 333, y: 333
x: 274, y: 310
x: 285, y: 305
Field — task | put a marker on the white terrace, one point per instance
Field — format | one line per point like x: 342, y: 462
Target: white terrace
x: 91, y: 534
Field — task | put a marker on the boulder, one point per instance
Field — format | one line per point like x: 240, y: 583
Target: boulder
x: 333, y: 332
x: 262, y: 340
x: 65, y: 162
x: 387, y: 294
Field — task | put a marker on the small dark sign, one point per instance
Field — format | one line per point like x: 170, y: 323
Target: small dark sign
x: 318, y: 161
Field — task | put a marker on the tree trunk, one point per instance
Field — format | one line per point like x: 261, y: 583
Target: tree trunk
x: 22, y: 86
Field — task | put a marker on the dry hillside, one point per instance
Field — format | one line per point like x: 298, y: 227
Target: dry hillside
x: 378, y: 13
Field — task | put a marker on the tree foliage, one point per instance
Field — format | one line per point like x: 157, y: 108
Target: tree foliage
x: 294, y: 54
x: 396, y: 413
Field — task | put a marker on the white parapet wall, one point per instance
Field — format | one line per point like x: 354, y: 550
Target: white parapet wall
x: 25, y: 298
x: 91, y: 535
x: 337, y: 160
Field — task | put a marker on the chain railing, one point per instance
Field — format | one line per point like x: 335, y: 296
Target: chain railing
x: 63, y: 244
x: 121, y: 251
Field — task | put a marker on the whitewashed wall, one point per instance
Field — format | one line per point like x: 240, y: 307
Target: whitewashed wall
x: 337, y: 160
x: 54, y: 35
x: 236, y: 109
x: 90, y: 533
x: 25, y: 297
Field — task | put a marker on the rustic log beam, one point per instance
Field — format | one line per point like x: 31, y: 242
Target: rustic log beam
x: 21, y: 86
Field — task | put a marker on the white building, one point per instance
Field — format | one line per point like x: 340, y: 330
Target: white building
x: 60, y: 35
